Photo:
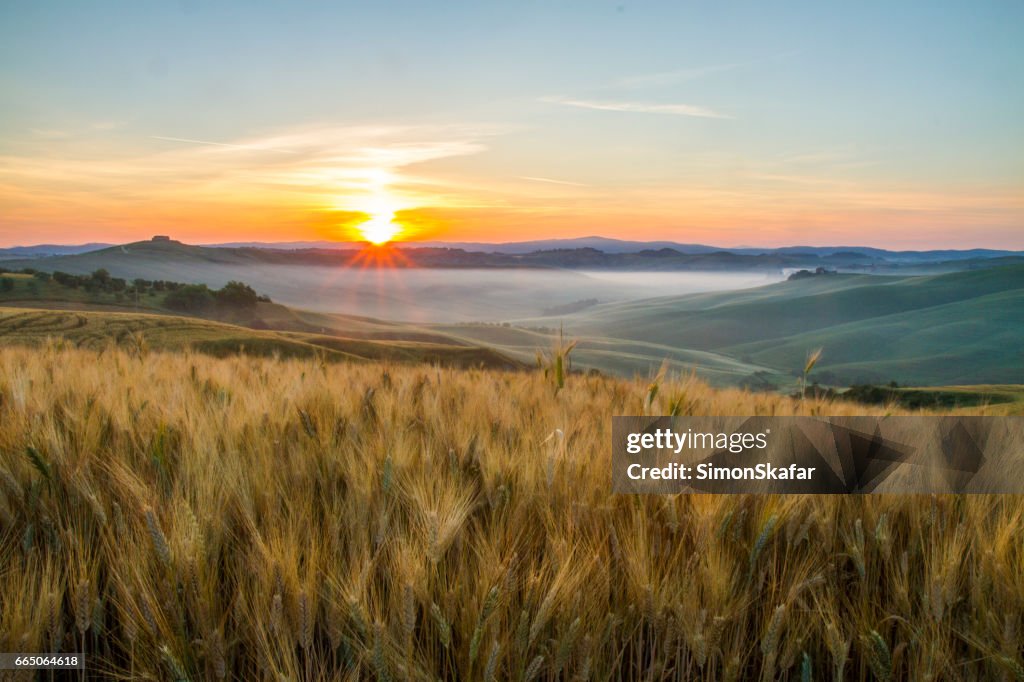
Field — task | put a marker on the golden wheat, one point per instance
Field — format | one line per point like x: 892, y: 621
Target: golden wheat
x: 175, y: 516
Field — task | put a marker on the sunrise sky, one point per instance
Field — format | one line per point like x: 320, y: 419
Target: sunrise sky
x: 732, y: 123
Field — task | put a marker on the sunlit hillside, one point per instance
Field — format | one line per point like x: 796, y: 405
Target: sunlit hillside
x: 178, y: 516
x: 139, y: 333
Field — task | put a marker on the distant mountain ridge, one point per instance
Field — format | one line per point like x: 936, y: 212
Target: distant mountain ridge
x: 604, y: 245
x: 42, y: 250
x: 623, y: 246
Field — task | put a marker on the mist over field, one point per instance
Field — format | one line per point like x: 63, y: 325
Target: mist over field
x: 429, y: 295
x: 425, y: 295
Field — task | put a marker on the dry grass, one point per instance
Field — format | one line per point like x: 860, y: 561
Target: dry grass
x: 133, y: 332
x: 177, y: 516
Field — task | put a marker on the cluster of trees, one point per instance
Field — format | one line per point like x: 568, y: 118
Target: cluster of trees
x: 197, y: 298
x: 816, y: 272
x: 99, y: 281
x: 191, y: 298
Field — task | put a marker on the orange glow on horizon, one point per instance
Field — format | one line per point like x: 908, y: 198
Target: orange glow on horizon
x: 388, y: 183
x: 380, y: 229
x: 379, y: 256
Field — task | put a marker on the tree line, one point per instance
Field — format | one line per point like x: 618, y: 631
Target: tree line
x: 191, y: 298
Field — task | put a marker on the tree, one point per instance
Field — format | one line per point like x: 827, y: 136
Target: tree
x: 99, y: 280
x: 237, y: 295
x: 66, y: 280
x: 191, y: 298
x: 6, y: 284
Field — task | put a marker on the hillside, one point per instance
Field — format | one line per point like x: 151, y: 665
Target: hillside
x: 965, y: 327
x: 624, y: 357
x: 367, y: 337
x: 143, y: 332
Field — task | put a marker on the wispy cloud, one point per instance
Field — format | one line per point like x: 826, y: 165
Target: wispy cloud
x: 271, y: 180
x: 222, y: 144
x: 551, y: 181
x: 638, y: 107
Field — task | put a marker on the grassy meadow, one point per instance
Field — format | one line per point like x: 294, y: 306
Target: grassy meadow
x: 179, y: 516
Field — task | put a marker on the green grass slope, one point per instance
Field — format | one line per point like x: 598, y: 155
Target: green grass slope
x: 980, y: 340
x: 780, y: 310
x: 964, y: 327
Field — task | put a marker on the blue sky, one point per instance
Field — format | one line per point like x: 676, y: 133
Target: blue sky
x: 756, y: 123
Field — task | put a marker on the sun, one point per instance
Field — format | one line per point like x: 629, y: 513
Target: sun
x: 380, y: 228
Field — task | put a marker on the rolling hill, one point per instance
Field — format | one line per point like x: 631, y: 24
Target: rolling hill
x: 965, y: 327
x: 140, y: 331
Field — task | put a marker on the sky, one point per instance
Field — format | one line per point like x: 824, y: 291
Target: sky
x: 897, y: 125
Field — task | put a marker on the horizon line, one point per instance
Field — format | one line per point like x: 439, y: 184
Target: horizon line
x: 431, y: 243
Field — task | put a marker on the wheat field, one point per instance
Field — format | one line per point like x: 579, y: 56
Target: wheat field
x: 176, y: 516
